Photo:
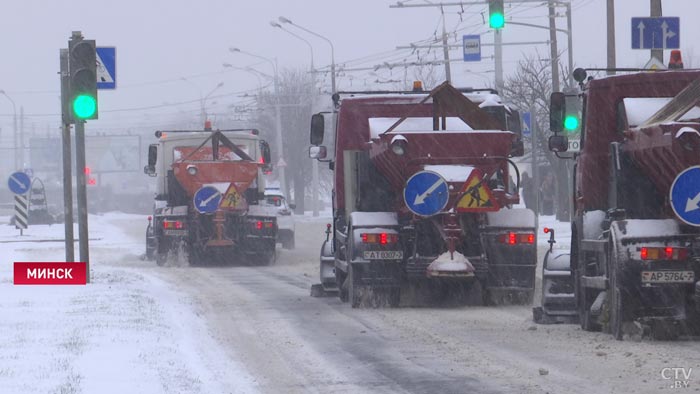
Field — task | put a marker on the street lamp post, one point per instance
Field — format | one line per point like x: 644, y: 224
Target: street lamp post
x: 311, y: 48
x: 247, y: 69
x: 314, y: 167
x: 314, y: 163
x: 278, y: 120
x: 287, y: 20
x: 14, y: 129
x: 204, y: 100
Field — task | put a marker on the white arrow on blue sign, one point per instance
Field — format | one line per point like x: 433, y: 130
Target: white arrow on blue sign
x: 472, y: 47
x: 207, y: 199
x: 106, y: 67
x: 685, y: 196
x: 527, y: 124
x: 656, y: 33
x: 19, y: 183
x: 426, y: 193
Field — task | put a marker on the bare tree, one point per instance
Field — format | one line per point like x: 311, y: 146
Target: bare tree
x: 296, y: 99
x: 528, y: 89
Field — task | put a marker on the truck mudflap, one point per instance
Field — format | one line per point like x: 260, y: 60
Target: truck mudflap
x: 558, y: 299
x: 509, y: 243
x: 510, y: 265
x: 327, y: 271
x: 377, y: 274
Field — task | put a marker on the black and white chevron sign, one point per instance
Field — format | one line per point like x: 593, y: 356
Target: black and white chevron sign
x: 21, y: 211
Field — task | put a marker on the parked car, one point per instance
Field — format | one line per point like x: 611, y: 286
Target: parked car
x: 285, y: 219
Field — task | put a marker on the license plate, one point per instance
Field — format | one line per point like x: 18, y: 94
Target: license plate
x: 668, y: 276
x: 175, y: 233
x: 383, y: 254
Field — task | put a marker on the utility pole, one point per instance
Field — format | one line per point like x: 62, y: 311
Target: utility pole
x: 570, y: 44
x: 498, y: 58
x: 535, y: 184
x: 554, y: 52
x: 611, y: 36
x: 445, y: 49
x: 22, y: 162
x: 67, y: 176
x: 655, y: 11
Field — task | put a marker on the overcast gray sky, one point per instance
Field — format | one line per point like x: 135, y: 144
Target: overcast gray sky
x: 160, y: 42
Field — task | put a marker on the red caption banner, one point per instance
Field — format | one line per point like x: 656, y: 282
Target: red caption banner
x: 50, y: 273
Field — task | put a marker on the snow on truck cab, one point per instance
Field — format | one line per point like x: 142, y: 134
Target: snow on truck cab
x: 635, y: 246
x: 422, y: 198
x: 209, y: 188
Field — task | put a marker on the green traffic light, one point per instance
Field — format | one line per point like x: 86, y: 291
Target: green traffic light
x: 571, y: 123
x: 496, y: 21
x: 84, y: 106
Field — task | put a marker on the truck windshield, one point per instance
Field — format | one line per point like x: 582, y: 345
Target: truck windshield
x: 639, y: 109
x: 205, y: 153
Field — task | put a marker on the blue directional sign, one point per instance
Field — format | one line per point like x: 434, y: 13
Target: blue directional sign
x: 207, y: 199
x: 19, y: 183
x: 656, y: 33
x: 685, y: 196
x: 106, y: 67
x: 426, y: 193
x: 527, y: 124
x: 471, y: 44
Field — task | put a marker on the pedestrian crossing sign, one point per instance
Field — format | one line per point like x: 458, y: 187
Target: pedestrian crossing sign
x: 233, y: 200
x: 476, y: 195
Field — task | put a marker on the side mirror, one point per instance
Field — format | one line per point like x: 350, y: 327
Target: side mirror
x: 558, y: 143
x: 557, y: 111
x: 318, y: 152
x: 518, y: 149
x: 150, y: 169
x: 318, y: 124
x: 265, y: 152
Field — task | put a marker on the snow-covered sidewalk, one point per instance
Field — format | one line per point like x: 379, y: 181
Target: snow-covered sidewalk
x: 126, y: 332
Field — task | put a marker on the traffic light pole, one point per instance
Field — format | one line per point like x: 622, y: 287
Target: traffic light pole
x: 67, y: 176
x: 82, y: 194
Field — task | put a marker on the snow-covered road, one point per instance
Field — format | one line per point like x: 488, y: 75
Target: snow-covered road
x: 142, y: 328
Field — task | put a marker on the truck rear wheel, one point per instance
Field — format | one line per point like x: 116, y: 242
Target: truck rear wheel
x: 161, y: 258
x: 619, y: 307
x: 354, y: 291
x: 340, y: 279
x: 586, y: 319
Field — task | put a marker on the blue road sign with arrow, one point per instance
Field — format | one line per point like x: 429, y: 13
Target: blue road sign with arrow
x: 426, y: 193
x: 207, y: 199
x: 106, y: 67
x: 19, y: 183
x: 685, y: 196
x: 656, y: 33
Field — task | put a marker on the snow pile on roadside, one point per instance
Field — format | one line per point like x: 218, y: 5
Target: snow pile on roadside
x: 126, y: 332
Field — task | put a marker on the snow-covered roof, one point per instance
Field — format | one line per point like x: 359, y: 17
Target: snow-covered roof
x: 451, y: 172
x: 640, y: 109
x: 515, y: 218
x: 637, y: 228
x: 366, y: 219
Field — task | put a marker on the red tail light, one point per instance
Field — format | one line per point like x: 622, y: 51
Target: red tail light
x: 663, y: 253
x: 173, y: 224
x: 262, y: 224
x: 379, y: 238
x: 512, y: 238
